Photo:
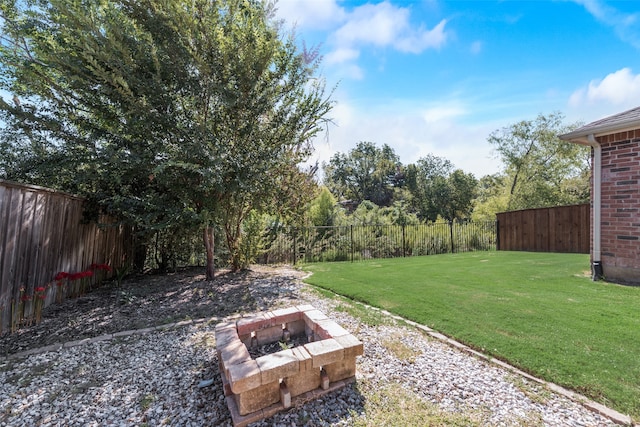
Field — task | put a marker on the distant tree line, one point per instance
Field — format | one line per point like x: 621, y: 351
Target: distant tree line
x: 370, y: 184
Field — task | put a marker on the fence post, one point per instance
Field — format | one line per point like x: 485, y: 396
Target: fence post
x: 497, y: 234
x: 404, y: 252
x: 295, y: 244
x: 451, y: 233
x: 351, y: 238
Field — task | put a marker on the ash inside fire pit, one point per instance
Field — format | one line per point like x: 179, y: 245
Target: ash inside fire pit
x: 274, y: 347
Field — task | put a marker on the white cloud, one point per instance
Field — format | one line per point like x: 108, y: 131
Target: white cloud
x: 372, y: 24
x: 413, y: 132
x: 442, y: 113
x: 352, y: 29
x: 315, y: 15
x: 344, y: 64
x: 627, y: 26
x: 385, y: 25
x: 616, y: 92
x: 416, y: 41
x: 352, y: 71
x: 621, y: 88
x: 344, y: 59
x: 341, y: 55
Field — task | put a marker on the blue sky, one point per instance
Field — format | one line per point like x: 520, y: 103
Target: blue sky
x: 430, y: 76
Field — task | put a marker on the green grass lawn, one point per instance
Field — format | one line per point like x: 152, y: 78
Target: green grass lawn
x: 540, y: 312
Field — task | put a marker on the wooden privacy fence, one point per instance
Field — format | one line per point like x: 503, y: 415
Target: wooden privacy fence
x: 564, y: 229
x: 42, y: 233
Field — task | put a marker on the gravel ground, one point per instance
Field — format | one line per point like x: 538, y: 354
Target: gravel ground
x: 152, y: 378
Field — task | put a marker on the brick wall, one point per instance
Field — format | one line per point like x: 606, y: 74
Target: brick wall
x: 621, y: 206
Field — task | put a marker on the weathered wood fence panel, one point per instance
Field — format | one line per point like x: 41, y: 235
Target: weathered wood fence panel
x: 564, y: 229
x: 42, y: 233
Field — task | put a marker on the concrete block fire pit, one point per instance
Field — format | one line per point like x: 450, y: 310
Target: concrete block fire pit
x: 259, y: 386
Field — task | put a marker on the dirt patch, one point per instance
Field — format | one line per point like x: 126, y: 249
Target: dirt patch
x: 144, y: 301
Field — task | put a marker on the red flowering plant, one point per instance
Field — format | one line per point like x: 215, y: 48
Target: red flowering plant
x: 39, y: 298
x: 61, y: 285
x: 25, y: 300
x: 74, y: 282
x: 17, y: 310
x: 80, y: 281
x: 100, y: 272
x: 105, y: 267
x: 86, y: 280
x: 61, y: 276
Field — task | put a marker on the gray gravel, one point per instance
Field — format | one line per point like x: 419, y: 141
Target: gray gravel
x: 152, y: 379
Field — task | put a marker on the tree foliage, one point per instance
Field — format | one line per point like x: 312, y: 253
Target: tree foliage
x: 169, y: 114
x: 372, y: 178
x: 324, y: 210
x: 365, y: 173
x: 491, y: 197
x: 423, y: 179
x: 439, y: 191
x: 454, y: 195
x: 542, y: 170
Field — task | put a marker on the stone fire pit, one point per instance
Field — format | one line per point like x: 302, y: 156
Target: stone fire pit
x: 259, y: 388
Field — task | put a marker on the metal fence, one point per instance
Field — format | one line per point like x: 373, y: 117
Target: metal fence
x: 359, y: 242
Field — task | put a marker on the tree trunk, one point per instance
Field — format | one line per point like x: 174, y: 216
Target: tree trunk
x: 513, y: 188
x: 209, y: 244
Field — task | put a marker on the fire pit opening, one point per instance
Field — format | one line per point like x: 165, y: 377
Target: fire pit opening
x: 286, y: 342
x: 268, y: 361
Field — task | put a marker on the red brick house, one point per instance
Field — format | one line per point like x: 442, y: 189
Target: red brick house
x: 615, y: 194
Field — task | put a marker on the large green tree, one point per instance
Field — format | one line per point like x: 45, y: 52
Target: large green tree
x: 174, y: 114
x: 454, y: 195
x: 540, y: 169
x: 367, y: 172
x: 423, y: 180
x: 324, y: 210
x: 491, y: 197
x: 440, y: 191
